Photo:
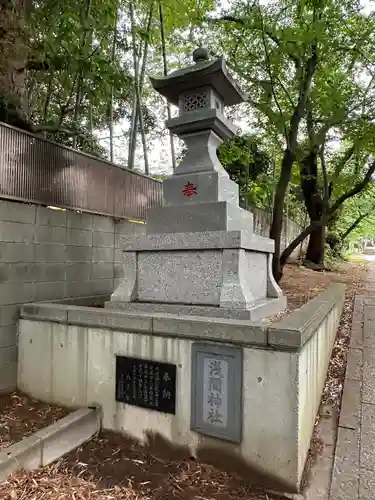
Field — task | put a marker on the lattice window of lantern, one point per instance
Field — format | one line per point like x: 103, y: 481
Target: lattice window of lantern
x: 195, y: 101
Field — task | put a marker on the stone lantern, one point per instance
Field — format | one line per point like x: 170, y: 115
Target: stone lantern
x: 201, y: 92
x: 199, y: 255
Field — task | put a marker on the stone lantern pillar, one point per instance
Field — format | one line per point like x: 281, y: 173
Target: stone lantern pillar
x: 199, y: 255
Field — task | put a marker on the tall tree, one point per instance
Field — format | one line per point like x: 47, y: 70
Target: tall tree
x: 284, y: 51
x: 14, y: 55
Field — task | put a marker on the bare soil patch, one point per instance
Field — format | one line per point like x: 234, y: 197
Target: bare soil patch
x: 300, y: 284
x: 20, y: 416
x: 109, y: 467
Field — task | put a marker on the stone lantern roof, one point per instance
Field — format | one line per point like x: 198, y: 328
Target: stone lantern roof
x: 204, y: 73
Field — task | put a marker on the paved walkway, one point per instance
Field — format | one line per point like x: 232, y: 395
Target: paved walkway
x: 353, y: 475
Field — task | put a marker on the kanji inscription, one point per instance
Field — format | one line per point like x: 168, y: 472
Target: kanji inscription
x: 146, y: 383
x: 189, y: 189
x: 215, y: 392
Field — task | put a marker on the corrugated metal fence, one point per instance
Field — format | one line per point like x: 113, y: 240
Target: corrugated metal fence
x: 42, y: 172
x: 38, y: 171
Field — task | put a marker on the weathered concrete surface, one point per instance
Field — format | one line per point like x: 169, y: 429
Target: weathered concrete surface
x: 51, y: 254
x: 318, y: 479
x: 353, y: 475
x: 367, y: 454
x: 367, y: 485
x: 282, y: 384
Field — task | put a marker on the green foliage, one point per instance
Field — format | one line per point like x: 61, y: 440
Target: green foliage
x: 250, y: 166
x: 274, y: 47
x: 331, y: 258
x: 74, y: 43
x: 76, y: 71
x: 362, y: 207
x: 81, y: 61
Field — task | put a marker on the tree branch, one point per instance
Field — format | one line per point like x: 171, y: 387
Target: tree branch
x: 56, y: 63
x: 244, y: 21
x: 54, y: 129
x: 355, y: 224
x: 356, y: 189
x: 346, y: 157
x: 314, y: 225
x: 325, y: 177
x: 269, y: 69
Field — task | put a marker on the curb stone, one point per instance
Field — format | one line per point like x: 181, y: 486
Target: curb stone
x: 51, y: 443
x: 346, y: 469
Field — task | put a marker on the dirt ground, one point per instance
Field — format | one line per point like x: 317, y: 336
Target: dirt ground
x: 110, y: 467
x: 20, y: 416
x: 300, y: 284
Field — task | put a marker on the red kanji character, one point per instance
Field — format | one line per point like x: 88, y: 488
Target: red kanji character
x: 189, y: 189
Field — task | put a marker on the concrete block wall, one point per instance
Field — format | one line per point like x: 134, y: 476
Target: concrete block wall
x: 48, y: 254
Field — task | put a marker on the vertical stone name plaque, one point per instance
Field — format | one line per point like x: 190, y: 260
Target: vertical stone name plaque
x: 216, y: 391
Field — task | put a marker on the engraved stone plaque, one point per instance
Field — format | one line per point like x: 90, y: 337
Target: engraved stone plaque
x: 216, y: 391
x: 145, y: 383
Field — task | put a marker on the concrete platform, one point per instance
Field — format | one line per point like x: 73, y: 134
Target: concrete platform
x: 279, y: 370
x: 259, y: 310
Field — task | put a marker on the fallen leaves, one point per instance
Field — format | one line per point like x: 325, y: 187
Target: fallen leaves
x: 352, y: 276
x: 179, y: 480
x: 20, y: 416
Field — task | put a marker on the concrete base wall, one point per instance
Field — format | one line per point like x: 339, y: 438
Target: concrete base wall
x: 50, y: 254
x: 313, y: 365
x: 284, y: 368
x: 90, y: 354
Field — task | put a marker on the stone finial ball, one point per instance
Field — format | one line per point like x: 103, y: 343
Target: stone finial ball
x: 200, y: 54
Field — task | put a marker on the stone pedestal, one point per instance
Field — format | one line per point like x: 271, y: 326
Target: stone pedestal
x: 206, y: 273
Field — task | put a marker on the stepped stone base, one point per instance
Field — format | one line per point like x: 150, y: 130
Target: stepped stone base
x: 200, y: 217
x: 260, y: 309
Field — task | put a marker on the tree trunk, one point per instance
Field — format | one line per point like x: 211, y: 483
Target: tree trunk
x: 165, y: 66
x: 86, y: 38
x: 315, y: 249
x: 278, y: 210
x: 110, y: 104
x: 13, y: 63
x: 356, y: 189
x: 139, y: 76
x: 354, y: 226
x: 315, y: 208
x: 289, y: 157
x: 48, y: 99
x: 138, y: 105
